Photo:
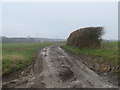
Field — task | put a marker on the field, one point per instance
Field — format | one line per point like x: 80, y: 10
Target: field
x: 107, y: 54
x: 18, y: 56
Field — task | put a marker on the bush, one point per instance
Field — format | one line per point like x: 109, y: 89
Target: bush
x: 89, y: 37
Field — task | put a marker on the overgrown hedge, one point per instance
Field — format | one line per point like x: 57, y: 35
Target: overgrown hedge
x: 89, y: 37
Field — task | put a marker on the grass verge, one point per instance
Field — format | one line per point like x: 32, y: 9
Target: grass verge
x: 107, y: 54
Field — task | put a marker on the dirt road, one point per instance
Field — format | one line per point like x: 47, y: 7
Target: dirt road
x: 55, y: 68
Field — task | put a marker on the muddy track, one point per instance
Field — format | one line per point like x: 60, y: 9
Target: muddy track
x: 55, y: 68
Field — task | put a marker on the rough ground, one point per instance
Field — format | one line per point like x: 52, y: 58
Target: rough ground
x: 55, y: 68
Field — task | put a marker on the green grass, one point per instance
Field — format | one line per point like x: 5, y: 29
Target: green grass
x: 18, y: 56
x: 106, y: 54
x: 108, y: 51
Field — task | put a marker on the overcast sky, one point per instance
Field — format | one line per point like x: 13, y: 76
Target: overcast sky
x: 58, y: 20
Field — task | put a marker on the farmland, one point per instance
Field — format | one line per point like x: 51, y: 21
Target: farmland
x: 18, y: 56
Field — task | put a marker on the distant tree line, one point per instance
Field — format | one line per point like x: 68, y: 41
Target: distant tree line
x: 17, y: 40
x: 27, y: 40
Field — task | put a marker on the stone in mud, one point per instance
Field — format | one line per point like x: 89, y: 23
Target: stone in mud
x: 105, y: 68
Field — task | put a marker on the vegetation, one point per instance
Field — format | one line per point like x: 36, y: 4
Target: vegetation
x: 88, y: 41
x: 108, y: 53
x: 18, y: 56
x: 108, y: 50
x: 27, y: 40
x: 89, y: 37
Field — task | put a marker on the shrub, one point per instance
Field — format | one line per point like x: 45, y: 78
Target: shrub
x: 89, y: 37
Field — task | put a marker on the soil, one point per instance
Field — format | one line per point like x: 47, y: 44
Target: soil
x: 56, y: 68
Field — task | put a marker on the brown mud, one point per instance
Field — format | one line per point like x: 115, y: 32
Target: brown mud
x: 55, y: 68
